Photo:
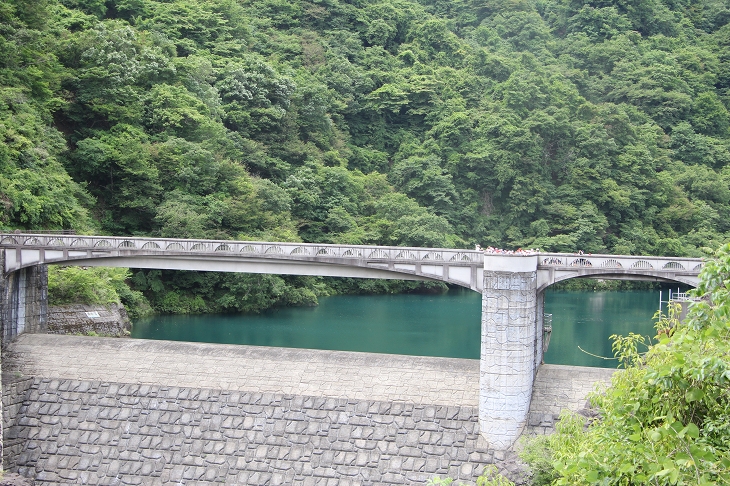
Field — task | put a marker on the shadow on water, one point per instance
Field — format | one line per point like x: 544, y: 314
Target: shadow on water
x: 423, y: 325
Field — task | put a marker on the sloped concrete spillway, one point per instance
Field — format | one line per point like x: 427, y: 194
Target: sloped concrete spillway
x: 83, y: 410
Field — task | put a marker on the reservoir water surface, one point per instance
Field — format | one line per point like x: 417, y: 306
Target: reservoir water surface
x: 423, y: 325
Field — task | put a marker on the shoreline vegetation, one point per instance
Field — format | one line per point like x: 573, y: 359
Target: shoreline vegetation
x: 102, y: 285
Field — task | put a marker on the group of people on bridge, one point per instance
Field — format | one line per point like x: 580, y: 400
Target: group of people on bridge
x: 500, y: 251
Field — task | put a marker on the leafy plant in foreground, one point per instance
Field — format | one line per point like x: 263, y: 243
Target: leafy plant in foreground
x: 490, y: 477
x: 666, y: 417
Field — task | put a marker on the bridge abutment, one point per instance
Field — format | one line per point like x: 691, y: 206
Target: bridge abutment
x: 510, y: 351
x: 23, y: 300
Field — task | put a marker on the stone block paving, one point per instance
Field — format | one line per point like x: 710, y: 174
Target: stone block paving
x: 14, y: 395
x: 92, y: 432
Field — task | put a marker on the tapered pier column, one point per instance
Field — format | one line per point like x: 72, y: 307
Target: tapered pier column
x: 509, y: 346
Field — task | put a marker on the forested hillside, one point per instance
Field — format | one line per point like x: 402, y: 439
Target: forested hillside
x: 560, y: 124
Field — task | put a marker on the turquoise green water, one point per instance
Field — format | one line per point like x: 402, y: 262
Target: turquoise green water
x: 423, y: 325
x: 583, y: 322
x: 426, y: 325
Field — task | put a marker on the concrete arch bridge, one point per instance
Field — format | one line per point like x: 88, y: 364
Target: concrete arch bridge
x: 512, y: 287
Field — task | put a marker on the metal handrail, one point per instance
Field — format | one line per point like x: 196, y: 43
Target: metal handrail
x: 70, y: 232
x: 374, y: 252
x: 547, y: 331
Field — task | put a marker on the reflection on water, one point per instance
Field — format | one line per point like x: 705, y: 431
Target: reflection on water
x: 585, y: 320
x: 424, y: 325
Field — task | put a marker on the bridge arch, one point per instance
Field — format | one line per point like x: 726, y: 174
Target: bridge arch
x: 643, y: 276
x: 454, y: 266
x: 512, y: 322
x: 557, y: 267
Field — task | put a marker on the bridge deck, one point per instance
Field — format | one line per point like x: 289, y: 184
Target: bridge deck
x: 455, y: 266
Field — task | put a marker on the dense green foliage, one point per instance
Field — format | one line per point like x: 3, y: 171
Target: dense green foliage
x: 666, y: 417
x: 76, y: 285
x: 558, y: 124
x: 204, y: 292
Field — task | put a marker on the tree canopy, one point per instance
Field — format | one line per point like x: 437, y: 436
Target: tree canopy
x: 595, y: 126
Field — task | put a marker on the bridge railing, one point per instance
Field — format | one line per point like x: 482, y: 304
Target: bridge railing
x: 623, y: 262
x: 243, y: 248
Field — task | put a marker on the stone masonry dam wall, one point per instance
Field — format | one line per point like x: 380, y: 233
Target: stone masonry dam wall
x: 82, y: 432
x: 82, y: 410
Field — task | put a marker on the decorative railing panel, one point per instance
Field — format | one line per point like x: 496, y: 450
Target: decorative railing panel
x: 293, y: 250
x: 555, y: 267
x: 608, y: 262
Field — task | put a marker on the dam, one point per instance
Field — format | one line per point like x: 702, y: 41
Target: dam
x: 91, y: 410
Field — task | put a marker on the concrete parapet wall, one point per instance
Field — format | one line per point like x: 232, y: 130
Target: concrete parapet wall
x: 80, y: 432
x: 23, y: 308
x: 107, y: 320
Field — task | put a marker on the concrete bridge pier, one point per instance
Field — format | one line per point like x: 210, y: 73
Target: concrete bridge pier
x: 23, y: 307
x: 511, y: 348
x: 23, y: 300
